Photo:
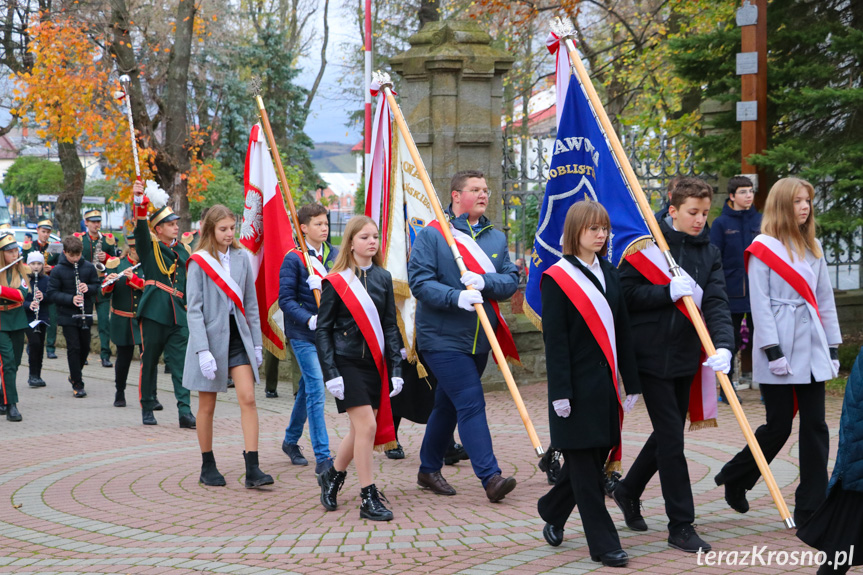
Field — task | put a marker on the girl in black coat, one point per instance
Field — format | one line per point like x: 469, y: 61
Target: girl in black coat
x: 584, y: 404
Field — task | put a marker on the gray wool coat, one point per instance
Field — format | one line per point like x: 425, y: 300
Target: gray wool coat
x: 208, y: 309
x: 782, y: 317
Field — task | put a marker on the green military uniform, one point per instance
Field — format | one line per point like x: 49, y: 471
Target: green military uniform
x: 13, y: 327
x: 162, y: 310
x: 108, y: 245
x: 124, y: 300
x: 50, y: 260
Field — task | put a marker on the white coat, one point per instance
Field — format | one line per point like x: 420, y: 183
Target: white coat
x: 782, y: 318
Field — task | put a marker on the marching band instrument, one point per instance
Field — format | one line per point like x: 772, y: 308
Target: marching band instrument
x: 83, y: 317
x: 97, y: 251
x: 120, y: 275
x: 4, y: 268
x: 36, y: 324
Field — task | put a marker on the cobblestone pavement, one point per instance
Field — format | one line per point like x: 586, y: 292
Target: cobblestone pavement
x: 85, y: 488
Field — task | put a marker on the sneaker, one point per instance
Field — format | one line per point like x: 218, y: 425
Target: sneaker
x: 740, y: 386
x: 295, y: 452
x: 631, y: 509
x: 272, y: 394
x: 686, y: 539
x: 35, y: 381
x: 79, y: 393
x: 322, y: 466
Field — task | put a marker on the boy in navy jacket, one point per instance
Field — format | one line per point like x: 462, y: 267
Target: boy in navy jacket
x: 34, y: 301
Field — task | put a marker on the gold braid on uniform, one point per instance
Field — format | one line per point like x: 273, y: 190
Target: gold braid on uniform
x: 160, y: 261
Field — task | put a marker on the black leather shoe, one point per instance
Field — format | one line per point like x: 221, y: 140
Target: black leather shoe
x: 331, y: 482
x: 397, y: 453
x: 34, y: 381
x: 148, y: 418
x: 209, y: 474
x: 435, y: 483
x: 254, y: 476
x: 120, y: 399
x: 158, y: 406
x: 553, y: 535
x: 631, y: 509
x: 79, y: 393
x: 272, y: 394
x: 454, y: 454
x: 617, y: 558
x: 51, y: 355
x: 3, y: 408
x: 107, y: 363
x: 497, y: 487
x: 295, y: 452
x: 12, y: 413
x: 372, y: 506
x: 686, y: 539
x: 187, y: 421
x: 735, y: 496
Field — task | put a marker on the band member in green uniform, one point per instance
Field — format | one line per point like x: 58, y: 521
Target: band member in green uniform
x: 162, y: 309
x: 13, y: 323
x: 43, y: 239
x: 98, y: 247
x: 125, y: 289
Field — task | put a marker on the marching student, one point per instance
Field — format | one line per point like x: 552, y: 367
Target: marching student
x: 586, y: 331
x: 358, y: 343
x: 301, y: 315
x: 97, y: 248
x: 224, y: 339
x: 795, y: 348
x: 40, y: 244
x: 453, y: 344
x: 73, y: 282
x: 124, y: 287
x: 36, y: 306
x: 670, y: 371
x: 13, y: 323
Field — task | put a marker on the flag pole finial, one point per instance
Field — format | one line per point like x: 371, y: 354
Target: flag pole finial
x: 382, y: 78
x: 562, y: 27
x: 255, y: 85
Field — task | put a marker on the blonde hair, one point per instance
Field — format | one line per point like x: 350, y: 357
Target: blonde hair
x: 22, y: 269
x: 780, y: 222
x: 580, y: 216
x: 214, y: 215
x: 345, y: 259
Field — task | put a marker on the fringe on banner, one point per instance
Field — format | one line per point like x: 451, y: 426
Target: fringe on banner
x: 612, y: 466
x: 637, y: 246
x: 704, y: 424
x: 269, y: 345
x: 401, y: 289
x: 412, y: 358
x: 386, y: 446
x: 532, y: 316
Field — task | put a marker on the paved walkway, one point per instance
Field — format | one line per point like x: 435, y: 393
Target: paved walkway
x: 85, y: 488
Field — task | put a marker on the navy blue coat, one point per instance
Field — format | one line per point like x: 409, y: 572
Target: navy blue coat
x: 435, y: 282
x: 43, y: 307
x: 296, y: 300
x: 732, y: 232
x: 849, y: 458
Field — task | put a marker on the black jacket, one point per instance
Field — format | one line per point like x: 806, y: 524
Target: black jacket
x: 577, y: 368
x: 42, y: 285
x: 666, y: 343
x: 62, y: 288
x: 338, y: 334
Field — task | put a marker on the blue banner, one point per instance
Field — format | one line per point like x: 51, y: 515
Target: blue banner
x: 582, y: 166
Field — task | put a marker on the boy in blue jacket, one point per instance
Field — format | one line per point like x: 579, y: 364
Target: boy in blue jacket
x: 301, y: 314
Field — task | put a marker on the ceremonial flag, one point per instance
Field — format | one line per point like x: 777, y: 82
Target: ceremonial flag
x: 265, y: 209
x: 562, y: 71
x: 409, y: 212
x: 379, y: 171
x: 582, y: 166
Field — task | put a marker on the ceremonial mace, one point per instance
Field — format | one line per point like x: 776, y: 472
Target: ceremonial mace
x: 387, y: 86
x: 125, y: 80
x: 283, y: 181
x: 564, y: 30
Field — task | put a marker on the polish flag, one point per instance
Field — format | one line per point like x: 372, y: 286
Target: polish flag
x: 380, y: 164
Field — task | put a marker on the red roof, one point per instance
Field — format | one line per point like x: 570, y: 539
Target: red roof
x: 360, y: 147
x: 538, y: 116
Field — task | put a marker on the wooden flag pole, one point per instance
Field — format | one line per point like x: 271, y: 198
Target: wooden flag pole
x: 566, y: 36
x: 386, y: 86
x: 283, y: 181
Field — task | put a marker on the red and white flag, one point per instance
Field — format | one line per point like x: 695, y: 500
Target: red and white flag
x: 265, y: 209
x: 562, y: 68
x: 380, y: 165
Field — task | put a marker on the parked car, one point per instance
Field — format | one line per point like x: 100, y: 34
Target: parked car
x: 21, y: 238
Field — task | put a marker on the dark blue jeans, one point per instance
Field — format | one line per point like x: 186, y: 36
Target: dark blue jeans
x: 458, y: 400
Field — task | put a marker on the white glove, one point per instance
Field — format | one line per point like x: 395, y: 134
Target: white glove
x: 313, y: 322
x: 467, y: 298
x: 473, y: 280
x: 314, y: 282
x: 208, y: 364
x: 630, y: 402
x: 404, y: 353
x: 835, y: 363
x: 398, y: 384
x: 780, y: 366
x: 138, y: 199
x: 336, y: 387
x: 679, y: 287
x: 259, y: 355
x: 562, y: 407
x: 720, y: 361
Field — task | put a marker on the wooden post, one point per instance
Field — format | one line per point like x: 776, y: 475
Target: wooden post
x: 752, y: 19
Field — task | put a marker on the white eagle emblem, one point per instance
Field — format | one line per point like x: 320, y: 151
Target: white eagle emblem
x: 253, y: 216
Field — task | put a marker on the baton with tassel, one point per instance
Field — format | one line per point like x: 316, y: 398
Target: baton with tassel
x: 386, y: 85
x: 283, y: 181
x: 125, y: 80
x: 566, y: 32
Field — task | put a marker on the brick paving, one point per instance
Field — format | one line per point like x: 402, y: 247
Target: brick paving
x: 85, y: 488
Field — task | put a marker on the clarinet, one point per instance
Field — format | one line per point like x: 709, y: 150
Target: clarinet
x: 36, y: 324
x: 82, y: 317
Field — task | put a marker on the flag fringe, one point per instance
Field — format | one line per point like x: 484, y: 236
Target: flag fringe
x: 534, y: 318
x: 401, y: 289
x: 386, y: 446
x: 636, y: 246
x: 613, y: 466
x: 277, y: 329
x: 704, y: 424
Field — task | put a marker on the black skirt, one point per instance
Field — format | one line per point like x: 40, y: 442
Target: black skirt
x: 236, y: 350
x: 362, y: 382
x: 836, y: 525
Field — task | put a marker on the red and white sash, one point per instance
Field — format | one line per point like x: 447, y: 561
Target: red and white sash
x: 220, y: 276
x: 594, y: 308
x: 317, y: 265
x: 478, y: 262
x: 365, y: 314
x: 702, y: 397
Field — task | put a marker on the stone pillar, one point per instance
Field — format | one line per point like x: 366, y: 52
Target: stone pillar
x: 451, y: 93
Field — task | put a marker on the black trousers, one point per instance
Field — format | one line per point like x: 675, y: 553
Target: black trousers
x: 667, y: 401
x: 580, y: 484
x: 35, y: 349
x: 121, y: 366
x: 77, y: 349
x: 814, y: 441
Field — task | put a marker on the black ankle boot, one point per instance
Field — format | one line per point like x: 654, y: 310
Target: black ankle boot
x: 372, y: 507
x: 12, y: 413
x: 254, y: 476
x: 120, y: 399
x: 331, y: 482
x: 209, y: 474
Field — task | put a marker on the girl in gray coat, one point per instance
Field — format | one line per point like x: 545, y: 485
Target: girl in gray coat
x: 796, y: 345
x: 224, y: 338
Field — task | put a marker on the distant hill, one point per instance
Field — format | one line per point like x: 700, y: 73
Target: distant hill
x: 333, y: 157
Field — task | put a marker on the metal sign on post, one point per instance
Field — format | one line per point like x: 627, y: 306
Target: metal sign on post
x: 752, y: 69
x: 51, y: 198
